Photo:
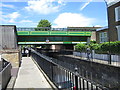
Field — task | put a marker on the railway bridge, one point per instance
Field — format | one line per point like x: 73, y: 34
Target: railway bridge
x: 53, y: 35
x: 66, y: 72
x: 54, y: 38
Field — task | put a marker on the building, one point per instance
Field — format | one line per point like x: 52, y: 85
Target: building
x: 112, y: 33
x: 102, y: 35
x: 114, y: 20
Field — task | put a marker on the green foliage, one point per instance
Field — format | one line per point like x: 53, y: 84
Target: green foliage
x: 44, y: 23
x: 112, y: 47
x: 94, y: 46
x: 81, y: 47
x: 105, y: 46
x: 92, y: 42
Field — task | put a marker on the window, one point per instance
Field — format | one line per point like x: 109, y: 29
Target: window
x: 118, y: 30
x: 103, y: 37
x: 117, y: 13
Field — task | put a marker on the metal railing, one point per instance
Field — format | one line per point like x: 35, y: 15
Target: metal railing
x: 100, y: 58
x: 5, y: 74
x: 53, y: 29
x: 64, y: 75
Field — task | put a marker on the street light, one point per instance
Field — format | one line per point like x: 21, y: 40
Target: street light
x: 109, y: 62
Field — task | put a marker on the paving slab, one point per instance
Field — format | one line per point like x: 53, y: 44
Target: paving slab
x: 30, y: 77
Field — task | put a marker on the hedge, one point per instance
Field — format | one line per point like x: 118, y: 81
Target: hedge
x: 81, y: 47
x: 113, y: 47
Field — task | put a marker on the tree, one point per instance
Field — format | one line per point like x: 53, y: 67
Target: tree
x: 43, y: 23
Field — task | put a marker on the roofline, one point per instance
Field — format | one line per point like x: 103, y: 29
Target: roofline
x: 7, y: 25
x: 112, y: 3
x: 103, y: 28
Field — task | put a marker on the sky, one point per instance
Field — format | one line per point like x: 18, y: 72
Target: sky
x: 61, y: 14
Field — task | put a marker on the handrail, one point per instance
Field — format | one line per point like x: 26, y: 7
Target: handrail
x: 5, y: 75
x: 55, y: 29
x: 61, y: 66
x: 5, y: 67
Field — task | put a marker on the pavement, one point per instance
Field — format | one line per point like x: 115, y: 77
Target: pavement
x: 30, y: 77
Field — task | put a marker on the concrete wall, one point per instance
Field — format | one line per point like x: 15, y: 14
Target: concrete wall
x: 58, y: 47
x: 13, y: 56
x: 8, y: 37
x: 0, y: 63
x: 62, y: 47
x: 8, y: 44
x: 105, y: 75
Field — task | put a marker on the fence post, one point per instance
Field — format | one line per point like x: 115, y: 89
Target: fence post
x: 76, y: 78
x: 51, y: 71
x: 93, y: 55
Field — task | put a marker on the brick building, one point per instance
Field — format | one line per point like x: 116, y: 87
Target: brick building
x: 113, y: 32
x: 114, y: 20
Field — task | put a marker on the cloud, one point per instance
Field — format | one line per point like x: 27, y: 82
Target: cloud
x: 98, y: 26
x: 10, y: 18
x: 7, y: 5
x: 85, y: 5
x: 43, y: 6
x: 1, y: 17
x: 62, y: 2
x: 0, y: 12
x: 13, y: 16
x: 72, y: 20
x: 24, y: 21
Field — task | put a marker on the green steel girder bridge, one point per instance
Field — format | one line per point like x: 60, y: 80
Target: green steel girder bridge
x: 53, y: 35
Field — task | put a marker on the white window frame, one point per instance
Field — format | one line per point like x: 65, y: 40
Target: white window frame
x: 102, y: 37
x: 117, y: 13
x: 118, y: 32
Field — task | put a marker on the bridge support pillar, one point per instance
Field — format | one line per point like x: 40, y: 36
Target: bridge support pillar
x: 65, y: 46
x: 88, y: 40
x: 56, y: 47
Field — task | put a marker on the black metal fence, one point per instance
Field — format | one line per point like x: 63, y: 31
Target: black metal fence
x: 64, y: 75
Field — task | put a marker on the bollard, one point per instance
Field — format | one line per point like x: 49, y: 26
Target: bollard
x: 76, y: 78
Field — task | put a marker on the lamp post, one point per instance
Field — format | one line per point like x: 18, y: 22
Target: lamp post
x: 109, y: 62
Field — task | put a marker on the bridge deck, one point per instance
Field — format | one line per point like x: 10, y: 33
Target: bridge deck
x: 29, y: 76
